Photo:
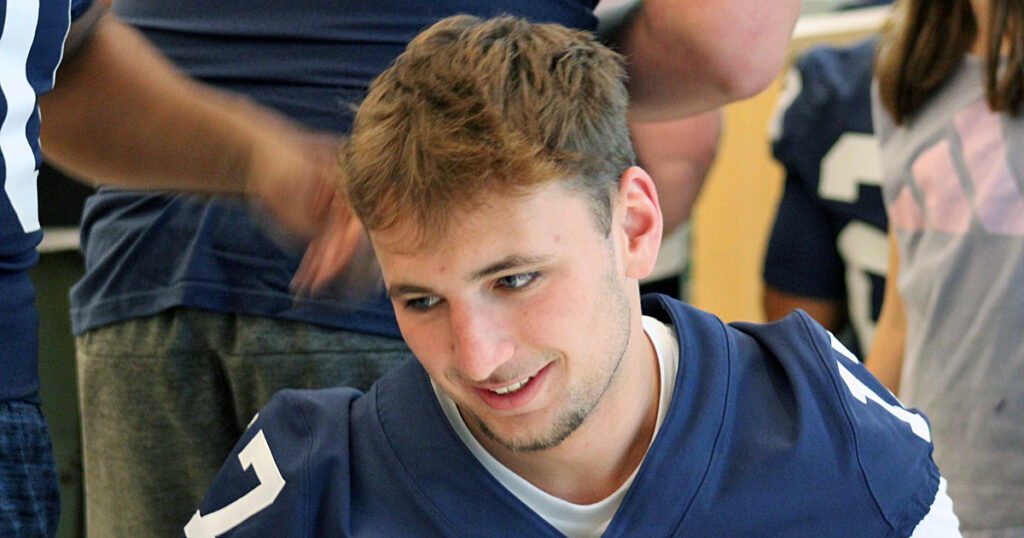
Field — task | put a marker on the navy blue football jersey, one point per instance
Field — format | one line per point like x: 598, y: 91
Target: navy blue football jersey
x: 31, y: 44
x: 772, y: 431
x: 829, y: 237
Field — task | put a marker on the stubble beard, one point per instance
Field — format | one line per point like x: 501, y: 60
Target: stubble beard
x: 582, y: 399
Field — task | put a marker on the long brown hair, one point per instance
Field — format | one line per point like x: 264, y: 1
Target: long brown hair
x: 926, y: 40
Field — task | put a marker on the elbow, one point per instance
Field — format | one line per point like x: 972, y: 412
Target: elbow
x: 740, y: 84
x: 739, y: 74
x: 727, y: 52
x: 700, y: 80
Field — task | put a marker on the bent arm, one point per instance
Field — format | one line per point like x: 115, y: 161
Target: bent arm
x: 885, y: 359
x: 120, y: 114
x: 678, y: 154
x: 689, y: 56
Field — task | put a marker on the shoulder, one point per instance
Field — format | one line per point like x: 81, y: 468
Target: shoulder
x: 296, y: 413
x: 837, y: 71
x: 372, y: 461
x: 815, y: 360
x: 272, y: 482
x: 784, y: 407
x: 79, y: 7
x: 827, y: 88
x: 841, y: 407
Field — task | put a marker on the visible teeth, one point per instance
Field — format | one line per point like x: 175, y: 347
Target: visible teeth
x: 513, y: 387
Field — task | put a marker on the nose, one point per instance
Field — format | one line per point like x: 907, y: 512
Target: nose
x: 480, y: 341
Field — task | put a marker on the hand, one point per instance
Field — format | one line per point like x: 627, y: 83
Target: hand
x: 294, y: 176
x: 339, y: 262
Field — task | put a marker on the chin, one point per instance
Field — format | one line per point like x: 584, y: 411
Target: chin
x: 553, y: 436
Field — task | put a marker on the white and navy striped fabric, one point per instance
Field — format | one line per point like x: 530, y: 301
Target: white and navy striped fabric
x: 31, y: 44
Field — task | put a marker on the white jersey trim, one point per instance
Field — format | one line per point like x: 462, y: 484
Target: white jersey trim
x: 19, y: 31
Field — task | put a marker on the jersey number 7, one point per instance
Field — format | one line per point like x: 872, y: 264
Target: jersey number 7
x: 257, y: 455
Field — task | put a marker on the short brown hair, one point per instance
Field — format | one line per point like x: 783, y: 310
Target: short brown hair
x: 476, y: 107
x: 927, y: 40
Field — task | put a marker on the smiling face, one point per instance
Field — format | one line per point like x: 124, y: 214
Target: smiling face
x: 522, y: 313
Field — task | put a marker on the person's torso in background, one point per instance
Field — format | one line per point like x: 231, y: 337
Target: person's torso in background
x: 952, y: 181
x: 310, y: 59
x: 832, y: 216
x: 31, y: 45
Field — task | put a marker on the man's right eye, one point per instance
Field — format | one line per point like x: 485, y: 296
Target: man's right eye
x: 422, y: 304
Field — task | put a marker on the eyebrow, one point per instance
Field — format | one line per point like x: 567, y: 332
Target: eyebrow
x: 506, y: 264
x: 407, y: 289
x: 502, y: 265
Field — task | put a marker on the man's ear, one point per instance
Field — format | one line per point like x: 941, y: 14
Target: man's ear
x: 640, y: 222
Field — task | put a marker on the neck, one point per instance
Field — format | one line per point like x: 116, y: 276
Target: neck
x: 980, y: 8
x: 597, y: 458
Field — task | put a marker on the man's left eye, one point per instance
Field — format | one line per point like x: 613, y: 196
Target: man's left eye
x: 516, y: 281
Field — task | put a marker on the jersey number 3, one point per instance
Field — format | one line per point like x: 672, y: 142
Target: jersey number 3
x: 257, y: 455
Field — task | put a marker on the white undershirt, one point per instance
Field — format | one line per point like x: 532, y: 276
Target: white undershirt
x: 574, y: 520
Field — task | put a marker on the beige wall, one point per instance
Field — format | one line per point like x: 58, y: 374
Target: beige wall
x: 734, y: 213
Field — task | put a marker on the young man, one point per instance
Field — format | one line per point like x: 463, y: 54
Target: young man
x: 492, y: 167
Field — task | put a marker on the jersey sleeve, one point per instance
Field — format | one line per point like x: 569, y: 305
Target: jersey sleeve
x: 271, y: 482
x: 941, y: 521
x: 892, y: 444
x: 802, y: 258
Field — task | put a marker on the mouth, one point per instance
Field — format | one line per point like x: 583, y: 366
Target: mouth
x: 514, y: 387
x: 514, y: 395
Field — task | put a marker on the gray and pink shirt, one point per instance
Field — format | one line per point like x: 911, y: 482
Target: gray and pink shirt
x: 953, y: 183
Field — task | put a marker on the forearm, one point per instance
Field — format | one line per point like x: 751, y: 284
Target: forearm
x: 122, y: 115
x: 688, y: 56
x: 778, y: 304
x: 885, y: 359
x: 677, y: 154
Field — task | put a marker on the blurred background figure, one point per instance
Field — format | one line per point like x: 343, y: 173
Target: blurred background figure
x: 116, y: 111
x: 947, y: 113
x: 827, y: 253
